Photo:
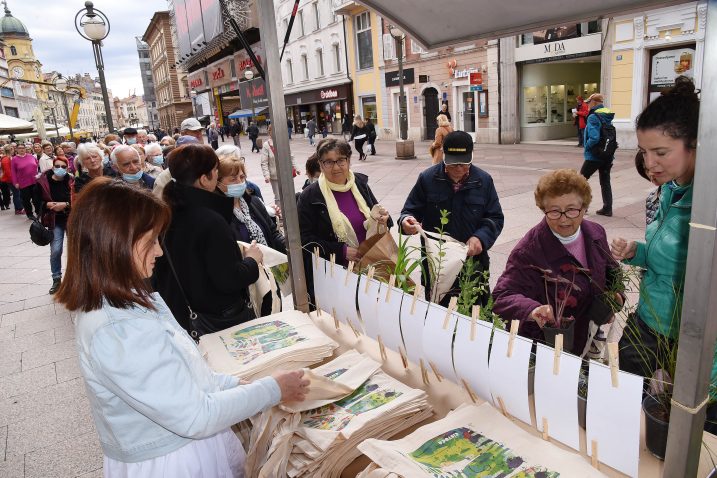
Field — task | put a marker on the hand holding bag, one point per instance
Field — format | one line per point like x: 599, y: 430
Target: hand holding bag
x: 445, y: 258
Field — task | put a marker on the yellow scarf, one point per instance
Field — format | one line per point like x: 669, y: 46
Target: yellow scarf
x: 339, y: 222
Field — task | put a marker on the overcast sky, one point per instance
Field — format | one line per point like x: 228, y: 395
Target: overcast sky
x: 59, y: 47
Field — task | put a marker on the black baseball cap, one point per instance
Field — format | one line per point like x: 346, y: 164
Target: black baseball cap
x: 130, y: 131
x: 458, y: 148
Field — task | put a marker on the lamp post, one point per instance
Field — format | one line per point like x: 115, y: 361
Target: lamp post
x: 51, y: 105
x: 249, y: 75
x: 193, y: 94
x: 404, y: 148
x: 93, y: 25
x: 61, y: 85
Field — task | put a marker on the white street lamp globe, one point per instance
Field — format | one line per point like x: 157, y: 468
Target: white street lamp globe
x: 95, y: 28
x: 61, y: 84
x: 396, y: 33
x: 248, y: 74
x: 51, y: 104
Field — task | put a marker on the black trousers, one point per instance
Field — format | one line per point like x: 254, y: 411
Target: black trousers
x: 5, y: 195
x: 31, y: 197
x: 603, y: 167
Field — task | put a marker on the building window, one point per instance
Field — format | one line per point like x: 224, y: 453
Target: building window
x: 289, y: 72
x: 302, y: 31
x: 320, y: 61
x: 389, y: 47
x: 305, y: 66
x: 7, y: 92
x: 317, y: 18
x: 12, y: 112
x: 364, y: 44
x: 13, y: 50
x: 368, y: 108
x: 416, y: 48
x: 337, y: 58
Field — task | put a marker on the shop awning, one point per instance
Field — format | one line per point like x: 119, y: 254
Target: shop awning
x: 248, y: 113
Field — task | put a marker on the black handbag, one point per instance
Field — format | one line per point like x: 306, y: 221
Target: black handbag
x: 202, y: 323
x: 39, y: 234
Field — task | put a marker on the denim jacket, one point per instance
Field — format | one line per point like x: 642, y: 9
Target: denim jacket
x: 150, y: 389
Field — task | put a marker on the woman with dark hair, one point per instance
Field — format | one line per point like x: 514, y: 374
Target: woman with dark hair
x: 203, y: 268
x: 359, y: 135
x: 652, y: 202
x: 158, y: 408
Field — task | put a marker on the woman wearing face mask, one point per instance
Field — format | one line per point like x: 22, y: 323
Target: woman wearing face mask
x: 203, y: 267
x: 55, y: 188
x: 251, y: 221
x: 154, y: 159
x: 90, y: 164
x: 147, y: 168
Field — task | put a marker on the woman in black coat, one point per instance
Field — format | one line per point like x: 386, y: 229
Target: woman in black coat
x: 359, y: 134
x: 212, y: 277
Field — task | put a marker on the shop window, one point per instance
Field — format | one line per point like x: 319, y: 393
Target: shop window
x: 483, y: 104
x: 589, y: 89
x: 571, y: 102
x: 337, y: 58
x: 305, y: 66
x: 317, y: 18
x: 368, y: 107
x: 557, y: 104
x: 364, y: 43
x: 535, y: 105
x: 320, y: 61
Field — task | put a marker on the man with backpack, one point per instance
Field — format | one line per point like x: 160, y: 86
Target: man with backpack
x: 600, y: 147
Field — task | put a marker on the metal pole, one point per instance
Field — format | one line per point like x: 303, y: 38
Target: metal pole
x: 698, y: 329
x: 54, y: 119
x: 97, y: 49
x: 402, y: 115
x: 277, y: 107
x: 69, y: 123
x: 253, y: 112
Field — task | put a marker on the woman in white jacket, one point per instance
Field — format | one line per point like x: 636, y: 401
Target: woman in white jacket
x: 268, y: 165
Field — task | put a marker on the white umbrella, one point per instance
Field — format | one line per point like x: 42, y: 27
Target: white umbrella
x: 10, y: 124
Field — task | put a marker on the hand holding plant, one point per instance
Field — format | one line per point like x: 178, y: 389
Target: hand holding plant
x: 543, y: 315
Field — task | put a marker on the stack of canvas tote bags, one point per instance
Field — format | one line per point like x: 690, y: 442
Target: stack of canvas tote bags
x: 257, y: 348
x: 473, y: 440
x: 318, y: 437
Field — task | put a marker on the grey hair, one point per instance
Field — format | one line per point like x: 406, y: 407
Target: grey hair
x: 151, y: 137
x: 229, y: 150
x: 142, y: 131
x: 120, y: 148
x: 86, y: 149
x: 152, y: 149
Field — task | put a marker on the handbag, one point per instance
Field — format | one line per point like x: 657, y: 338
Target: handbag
x: 202, y: 323
x: 39, y: 234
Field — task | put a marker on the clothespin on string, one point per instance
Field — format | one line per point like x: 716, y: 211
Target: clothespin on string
x: 424, y: 372
x: 381, y: 348
x: 468, y: 390
x: 614, y: 361
x: 351, y: 326
x: 349, y: 270
x: 451, y: 308
x: 369, y: 275
x: 558, y: 353
x: 513, y: 332
x: 416, y: 292
x: 336, y: 320
x: 391, y: 282
x: 333, y: 261
x: 316, y: 257
x: 474, y: 320
x: 435, y: 371
x: 594, y: 455
x: 501, y: 404
x: 546, y: 436
x: 404, y: 359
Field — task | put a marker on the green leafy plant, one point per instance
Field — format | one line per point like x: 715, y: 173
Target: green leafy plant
x: 436, y: 265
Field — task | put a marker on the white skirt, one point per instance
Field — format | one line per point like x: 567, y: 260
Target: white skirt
x: 221, y: 456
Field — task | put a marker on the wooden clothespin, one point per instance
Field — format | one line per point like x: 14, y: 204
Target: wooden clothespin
x: 513, y: 332
x: 435, y: 371
x: 316, y: 257
x: 501, y: 404
x: 451, y: 308
x: 349, y: 270
x: 318, y: 306
x: 369, y: 275
x: 614, y: 361
x: 351, y: 326
x: 474, y: 320
x: 469, y: 391
x: 416, y: 292
x: 382, y: 348
x: 594, y: 455
x: 404, y: 359
x: 391, y: 283
x: 558, y: 353
x: 336, y: 320
x: 545, y: 429
x: 424, y: 372
x: 333, y: 261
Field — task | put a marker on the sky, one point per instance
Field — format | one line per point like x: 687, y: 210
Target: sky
x: 59, y: 47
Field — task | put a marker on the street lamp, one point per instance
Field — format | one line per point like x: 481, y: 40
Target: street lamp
x: 193, y: 94
x: 93, y: 25
x: 51, y: 105
x: 249, y: 76
x: 62, y: 85
x: 404, y: 148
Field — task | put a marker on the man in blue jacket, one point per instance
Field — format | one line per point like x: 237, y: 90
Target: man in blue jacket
x: 598, y: 114
x: 467, y: 192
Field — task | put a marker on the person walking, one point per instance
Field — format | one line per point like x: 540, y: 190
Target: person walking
x: 290, y: 127
x: 346, y: 127
x: 55, y: 188
x: 222, y: 130
x: 436, y: 148
x: 6, y: 180
x: 598, y: 116
x: 444, y: 111
x: 24, y: 177
x: 253, y: 132
x: 235, y: 132
x: 213, y: 136
x: 581, y: 113
x: 311, y: 130
x: 359, y: 134
x: 371, y: 136
x: 90, y: 159
x: 268, y: 165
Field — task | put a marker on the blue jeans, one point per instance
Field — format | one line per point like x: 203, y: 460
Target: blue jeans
x: 311, y: 139
x: 56, y: 251
x: 290, y: 131
x: 16, y: 199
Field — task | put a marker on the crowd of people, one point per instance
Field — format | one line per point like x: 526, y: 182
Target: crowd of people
x: 145, y: 284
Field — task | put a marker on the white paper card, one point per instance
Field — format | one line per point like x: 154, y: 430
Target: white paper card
x: 438, y: 341
x: 345, y: 297
x: 556, y: 395
x: 368, y: 305
x: 470, y: 357
x: 412, y: 328
x: 322, y: 289
x: 509, y: 375
x: 389, y: 318
x: 613, y: 418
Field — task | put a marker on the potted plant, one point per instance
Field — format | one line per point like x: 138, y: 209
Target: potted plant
x: 562, y: 289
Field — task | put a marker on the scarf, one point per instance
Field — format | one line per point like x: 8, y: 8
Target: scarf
x: 339, y: 222
x: 255, y: 232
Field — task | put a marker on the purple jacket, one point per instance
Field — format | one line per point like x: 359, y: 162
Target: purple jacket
x: 24, y: 170
x: 521, y: 287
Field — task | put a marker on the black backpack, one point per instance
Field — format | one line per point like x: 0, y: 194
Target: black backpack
x: 605, y: 149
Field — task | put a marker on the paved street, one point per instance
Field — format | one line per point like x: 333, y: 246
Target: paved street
x: 45, y: 425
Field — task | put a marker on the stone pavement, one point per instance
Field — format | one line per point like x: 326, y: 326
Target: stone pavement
x: 45, y: 425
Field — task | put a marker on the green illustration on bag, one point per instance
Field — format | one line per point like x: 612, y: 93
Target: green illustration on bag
x: 248, y: 344
x: 336, y: 416
x: 333, y: 375
x: 465, y: 453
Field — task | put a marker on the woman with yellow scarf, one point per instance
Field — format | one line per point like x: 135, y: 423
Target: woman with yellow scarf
x: 336, y: 211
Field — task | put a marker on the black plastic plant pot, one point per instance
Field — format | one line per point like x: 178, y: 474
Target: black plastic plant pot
x: 655, y: 426
x: 568, y: 333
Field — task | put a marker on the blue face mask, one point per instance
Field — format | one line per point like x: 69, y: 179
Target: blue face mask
x: 132, y: 178
x: 131, y: 141
x: 105, y: 160
x: 236, y: 190
x: 59, y: 172
x: 158, y: 160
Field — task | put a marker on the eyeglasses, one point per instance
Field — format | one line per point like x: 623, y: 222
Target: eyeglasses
x: 63, y: 166
x: 339, y: 162
x: 571, y: 213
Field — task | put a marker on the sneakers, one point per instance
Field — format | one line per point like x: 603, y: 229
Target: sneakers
x: 604, y: 212
x: 55, y: 285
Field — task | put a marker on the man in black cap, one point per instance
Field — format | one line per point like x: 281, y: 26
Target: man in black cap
x: 130, y: 136
x: 467, y: 193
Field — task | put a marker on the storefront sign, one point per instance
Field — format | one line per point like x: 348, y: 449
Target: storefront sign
x: 329, y: 94
x: 243, y: 62
x: 334, y: 93
x: 393, y: 80
x: 220, y: 73
x: 196, y: 80
x: 253, y: 91
x: 465, y: 73
x: 476, y: 78
x: 669, y: 64
x: 559, y: 49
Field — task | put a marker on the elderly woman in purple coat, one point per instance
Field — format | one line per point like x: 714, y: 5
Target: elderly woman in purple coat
x: 562, y: 270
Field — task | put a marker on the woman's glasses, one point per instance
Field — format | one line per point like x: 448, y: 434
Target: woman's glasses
x: 339, y: 162
x: 571, y: 213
